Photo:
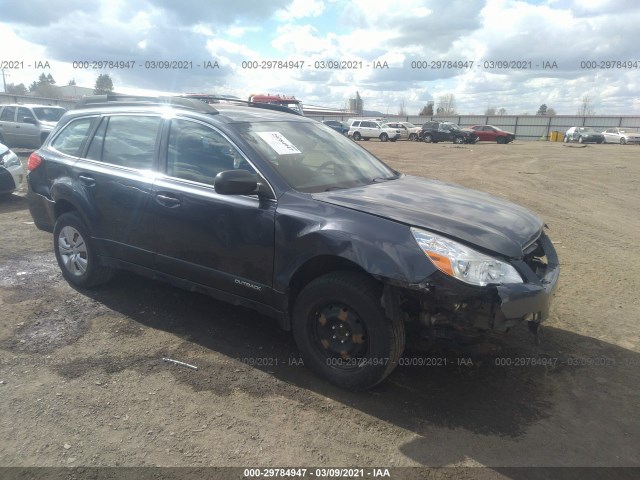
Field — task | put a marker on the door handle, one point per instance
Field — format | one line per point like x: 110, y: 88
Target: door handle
x: 87, y: 181
x: 167, y: 201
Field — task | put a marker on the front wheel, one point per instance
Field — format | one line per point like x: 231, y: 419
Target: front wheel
x: 342, y: 331
x: 501, y: 140
x: 413, y: 137
x: 580, y: 140
x: 75, y: 253
x: 623, y: 141
x: 384, y: 137
x: 458, y: 140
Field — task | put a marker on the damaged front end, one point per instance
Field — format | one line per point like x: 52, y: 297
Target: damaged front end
x: 444, y: 307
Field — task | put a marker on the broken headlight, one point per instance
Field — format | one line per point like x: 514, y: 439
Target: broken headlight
x: 464, y: 263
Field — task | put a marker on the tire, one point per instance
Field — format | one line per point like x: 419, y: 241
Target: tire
x: 501, y: 140
x: 393, y: 139
x: 623, y: 141
x: 357, y: 136
x: 458, y: 140
x: 413, y: 137
x: 427, y: 138
x: 384, y: 137
x: 580, y: 140
x: 345, y: 305
x: 366, y: 139
x: 75, y: 253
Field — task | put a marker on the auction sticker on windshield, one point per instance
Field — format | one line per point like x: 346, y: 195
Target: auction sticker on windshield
x: 279, y: 143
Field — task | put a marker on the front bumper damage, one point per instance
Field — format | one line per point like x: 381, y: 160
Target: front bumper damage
x: 443, y: 307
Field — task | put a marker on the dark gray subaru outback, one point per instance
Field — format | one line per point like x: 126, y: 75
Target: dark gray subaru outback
x: 282, y: 214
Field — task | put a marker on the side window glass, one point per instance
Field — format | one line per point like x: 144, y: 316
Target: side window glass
x: 198, y: 153
x: 130, y: 140
x: 8, y: 114
x: 95, y: 149
x: 70, y: 139
x: 24, y: 113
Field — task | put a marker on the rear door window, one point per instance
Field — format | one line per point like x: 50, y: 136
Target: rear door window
x: 8, y: 114
x: 126, y: 140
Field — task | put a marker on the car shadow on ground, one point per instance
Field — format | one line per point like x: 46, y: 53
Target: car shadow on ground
x: 570, y: 387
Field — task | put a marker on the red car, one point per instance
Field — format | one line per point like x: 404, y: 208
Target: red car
x: 489, y: 133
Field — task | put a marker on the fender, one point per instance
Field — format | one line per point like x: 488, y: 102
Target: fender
x: 306, y: 229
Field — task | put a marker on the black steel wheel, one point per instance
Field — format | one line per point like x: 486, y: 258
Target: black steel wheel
x: 343, y: 333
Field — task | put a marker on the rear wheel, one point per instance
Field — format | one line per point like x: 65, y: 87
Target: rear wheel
x: 356, y: 136
x: 75, y: 253
x: 343, y: 333
x: 384, y: 137
x: 427, y: 138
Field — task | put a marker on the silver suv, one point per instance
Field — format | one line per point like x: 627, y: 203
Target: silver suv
x: 366, y: 129
x: 27, y: 126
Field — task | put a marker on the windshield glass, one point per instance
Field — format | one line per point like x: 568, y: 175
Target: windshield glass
x: 312, y: 157
x: 48, y: 114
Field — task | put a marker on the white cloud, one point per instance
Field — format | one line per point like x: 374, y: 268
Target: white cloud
x: 300, y: 9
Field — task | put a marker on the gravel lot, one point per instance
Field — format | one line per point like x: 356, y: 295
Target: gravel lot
x: 83, y: 381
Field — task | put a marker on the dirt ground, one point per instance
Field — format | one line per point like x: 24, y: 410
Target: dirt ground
x: 83, y: 381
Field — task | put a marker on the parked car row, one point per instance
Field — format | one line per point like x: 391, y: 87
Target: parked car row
x: 431, y: 132
x: 591, y: 135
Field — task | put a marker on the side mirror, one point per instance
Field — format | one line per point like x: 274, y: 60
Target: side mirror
x: 235, y: 182
x: 30, y: 120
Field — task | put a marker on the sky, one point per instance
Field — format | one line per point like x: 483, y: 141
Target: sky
x: 589, y: 47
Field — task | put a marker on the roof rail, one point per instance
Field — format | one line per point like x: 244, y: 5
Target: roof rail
x: 221, y: 98
x: 90, y: 101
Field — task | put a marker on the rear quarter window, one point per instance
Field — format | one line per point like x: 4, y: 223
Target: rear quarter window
x: 70, y: 139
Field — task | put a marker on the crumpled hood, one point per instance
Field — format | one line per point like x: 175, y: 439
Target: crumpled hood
x: 474, y: 217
